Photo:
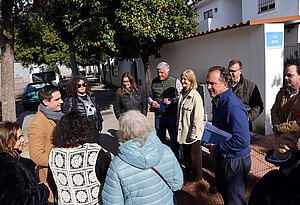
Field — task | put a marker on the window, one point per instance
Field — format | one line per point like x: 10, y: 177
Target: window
x: 265, y: 5
x: 208, y: 14
x: 44, y: 76
x: 107, y: 69
x: 115, y: 70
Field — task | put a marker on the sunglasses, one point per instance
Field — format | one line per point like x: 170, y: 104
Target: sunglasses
x: 79, y: 85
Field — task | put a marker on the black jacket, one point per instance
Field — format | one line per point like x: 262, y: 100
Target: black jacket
x: 135, y: 101
x: 249, y: 94
x: 276, y: 188
x: 72, y: 103
x: 17, y: 185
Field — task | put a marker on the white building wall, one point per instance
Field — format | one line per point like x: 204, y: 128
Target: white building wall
x: 245, y: 43
x: 225, y: 12
x: 125, y: 66
x: 274, y: 71
x: 291, y: 35
x: 282, y: 8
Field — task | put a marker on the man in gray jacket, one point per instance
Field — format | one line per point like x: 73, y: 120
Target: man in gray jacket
x: 246, y: 91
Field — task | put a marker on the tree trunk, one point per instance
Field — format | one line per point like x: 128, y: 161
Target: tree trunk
x: 7, y: 63
x: 104, y: 73
x: 147, y: 70
x: 99, y: 73
x: 74, y: 67
x: 94, y: 70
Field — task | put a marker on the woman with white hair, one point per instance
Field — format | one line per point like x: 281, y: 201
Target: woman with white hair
x: 190, y: 126
x: 145, y: 171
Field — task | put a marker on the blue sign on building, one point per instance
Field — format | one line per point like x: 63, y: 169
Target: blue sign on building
x: 274, y: 39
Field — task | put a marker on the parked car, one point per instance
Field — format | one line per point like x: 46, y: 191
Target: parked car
x: 30, y: 98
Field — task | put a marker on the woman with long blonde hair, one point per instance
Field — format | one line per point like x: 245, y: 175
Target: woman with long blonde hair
x: 190, y: 125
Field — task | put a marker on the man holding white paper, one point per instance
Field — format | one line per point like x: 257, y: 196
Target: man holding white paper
x: 233, y: 160
x: 163, y: 98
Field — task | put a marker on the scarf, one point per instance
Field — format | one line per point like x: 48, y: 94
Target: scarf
x: 128, y: 91
x: 52, y: 115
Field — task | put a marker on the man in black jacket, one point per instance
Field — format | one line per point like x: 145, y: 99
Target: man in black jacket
x: 246, y: 91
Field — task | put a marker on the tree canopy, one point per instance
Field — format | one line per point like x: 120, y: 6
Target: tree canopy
x: 144, y: 25
x: 94, y: 30
x: 38, y: 43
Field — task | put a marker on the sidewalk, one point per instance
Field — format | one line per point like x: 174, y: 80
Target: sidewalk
x: 259, y: 168
x: 195, y: 194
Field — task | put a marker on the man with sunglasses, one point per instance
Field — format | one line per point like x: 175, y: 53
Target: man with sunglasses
x: 246, y: 91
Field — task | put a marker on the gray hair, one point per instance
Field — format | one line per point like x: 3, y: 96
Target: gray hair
x: 225, y: 76
x: 163, y: 65
x: 134, y: 125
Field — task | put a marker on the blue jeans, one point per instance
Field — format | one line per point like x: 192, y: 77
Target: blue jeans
x: 231, y: 178
x: 164, y: 122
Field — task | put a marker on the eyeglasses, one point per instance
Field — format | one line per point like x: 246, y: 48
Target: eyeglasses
x: 233, y: 71
x: 79, y: 85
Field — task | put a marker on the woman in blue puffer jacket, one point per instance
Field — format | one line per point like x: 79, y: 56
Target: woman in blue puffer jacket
x: 130, y: 178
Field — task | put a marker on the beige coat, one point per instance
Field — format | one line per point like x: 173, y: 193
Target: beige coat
x: 190, y: 117
x: 39, y: 133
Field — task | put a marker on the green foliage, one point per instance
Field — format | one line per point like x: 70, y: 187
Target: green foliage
x: 144, y: 25
x: 82, y: 22
x: 98, y: 29
x: 38, y: 43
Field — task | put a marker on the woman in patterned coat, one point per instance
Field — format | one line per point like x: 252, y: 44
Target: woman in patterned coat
x: 78, y: 167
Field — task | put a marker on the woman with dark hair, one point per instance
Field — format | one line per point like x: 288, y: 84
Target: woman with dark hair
x: 129, y: 97
x: 82, y: 100
x: 78, y: 166
x: 17, y: 183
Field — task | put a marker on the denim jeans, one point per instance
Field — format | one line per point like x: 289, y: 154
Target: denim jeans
x: 231, y: 178
x: 164, y: 122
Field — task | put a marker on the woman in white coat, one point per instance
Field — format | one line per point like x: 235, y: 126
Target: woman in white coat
x: 190, y: 126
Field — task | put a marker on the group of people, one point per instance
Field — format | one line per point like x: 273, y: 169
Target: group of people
x: 179, y: 108
x: 236, y: 104
x: 68, y: 167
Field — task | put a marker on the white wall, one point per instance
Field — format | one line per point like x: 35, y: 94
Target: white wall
x: 274, y: 71
x: 244, y: 43
x: 202, y: 52
x: 124, y: 66
x: 282, y: 8
x: 228, y: 12
x: 291, y: 35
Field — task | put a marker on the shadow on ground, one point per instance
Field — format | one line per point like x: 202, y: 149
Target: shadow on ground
x: 105, y: 97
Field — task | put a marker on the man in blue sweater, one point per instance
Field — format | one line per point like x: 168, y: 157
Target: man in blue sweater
x: 233, y: 160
